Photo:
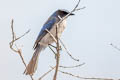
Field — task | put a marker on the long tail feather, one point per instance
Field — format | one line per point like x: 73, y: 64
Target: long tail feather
x: 32, y: 66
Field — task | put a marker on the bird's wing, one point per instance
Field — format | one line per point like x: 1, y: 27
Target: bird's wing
x: 48, y: 25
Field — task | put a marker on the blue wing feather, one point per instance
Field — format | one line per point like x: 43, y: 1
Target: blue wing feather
x: 48, y: 25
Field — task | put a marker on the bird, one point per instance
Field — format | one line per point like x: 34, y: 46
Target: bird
x: 44, y: 38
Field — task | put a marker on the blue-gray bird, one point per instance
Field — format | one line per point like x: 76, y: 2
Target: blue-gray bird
x: 44, y: 38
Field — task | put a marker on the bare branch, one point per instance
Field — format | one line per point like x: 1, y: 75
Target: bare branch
x: 74, y: 9
x: 52, y: 50
x: 14, y: 36
x: 17, y: 50
x: 23, y: 35
x: 52, y: 68
x: 84, y: 77
x: 57, y: 49
x: 115, y: 47
x: 76, y: 6
x: 46, y: 73
x: 72, y: 66
x: 68, y: 51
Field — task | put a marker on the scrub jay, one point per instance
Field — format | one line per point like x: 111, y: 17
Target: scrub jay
x: 44, y: 38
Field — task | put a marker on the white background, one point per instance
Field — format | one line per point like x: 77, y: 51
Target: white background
x: 88, y: 35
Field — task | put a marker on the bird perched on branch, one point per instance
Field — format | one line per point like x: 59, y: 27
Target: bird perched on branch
x: 44, y: 38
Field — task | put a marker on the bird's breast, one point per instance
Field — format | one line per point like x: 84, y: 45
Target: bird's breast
x: 61, y: 27
x: 47, y: 39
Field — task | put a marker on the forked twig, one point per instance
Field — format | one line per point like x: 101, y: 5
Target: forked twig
x: 52, y: 68
x: 17, y: 50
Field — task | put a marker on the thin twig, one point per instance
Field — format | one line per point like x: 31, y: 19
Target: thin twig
x: 14, y: 37
x: 57, y: 60
x: 52, y: 45
x: 17, y: 50
x: 52, y: 50
x: 76, y: 6
x: 68, y: 51
x: 52, y: 68
x: 115, y: 47
x: 46, y: 73
x: 84, y: 77
x: 72, y: 66
x: 23, y: 35
x: 80, y: 8
x: 75, y: 9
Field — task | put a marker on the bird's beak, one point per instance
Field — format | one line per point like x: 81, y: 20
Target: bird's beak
x: 72, y: 14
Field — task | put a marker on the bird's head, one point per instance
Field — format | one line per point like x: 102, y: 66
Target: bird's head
x: 63, y: 12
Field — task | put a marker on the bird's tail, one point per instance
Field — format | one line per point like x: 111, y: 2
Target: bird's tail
x: 32, y: 66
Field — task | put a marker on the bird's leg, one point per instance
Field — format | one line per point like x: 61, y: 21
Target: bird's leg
x: 52, y: 45
x: 52, y: 51
x: 55, y: 46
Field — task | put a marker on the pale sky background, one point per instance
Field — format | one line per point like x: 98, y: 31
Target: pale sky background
x: 87, y: 36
